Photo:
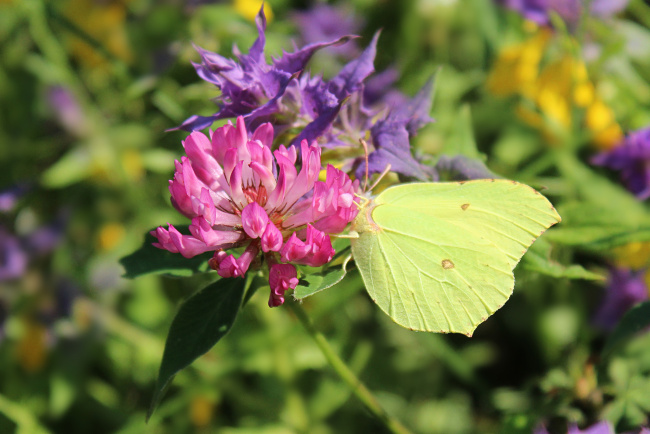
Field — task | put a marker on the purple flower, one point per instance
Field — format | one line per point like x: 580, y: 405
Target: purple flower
x: 632, y: 159
x: 251, y: 87
x: 16, y: 251
x: 603, y: 427
x: 336, y: 112
x: 13, y: 256
x: 238, y: 193
x: 67, y: 110
x: 10, y: 197
x: 391, y: 138
x: 570, y: 11
x: 625, y: 288
x: 324, y: 23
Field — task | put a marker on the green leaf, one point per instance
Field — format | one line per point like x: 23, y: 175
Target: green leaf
x: 634, y: 321
x: 313, y: 283
x: 462, y: 141
x: 149, y: 259
x: 538, y: 259
x: 73, y: 167
x: 200, y: 323
x: 595, y: 189
x: 597, y: 227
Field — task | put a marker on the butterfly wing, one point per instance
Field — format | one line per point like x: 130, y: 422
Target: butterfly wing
x: 439, y: 256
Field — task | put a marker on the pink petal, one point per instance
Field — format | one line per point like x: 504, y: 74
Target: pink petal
x: 271, y: 239
x: 236, y: 191
x: 293, y: 250
x: 308, y: 175
x: 214, y: 238
x: 254, y: 220
x: 286, y: 178
x: 264, y: 133
x: 229, y: 266
x: 265, y: 176
x: 175, y: 242
x: 281, y: 278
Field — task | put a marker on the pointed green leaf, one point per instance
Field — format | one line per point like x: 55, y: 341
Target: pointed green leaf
x: 149, y: 259
x: 201, y: 322
x: 313, y: 283
x: 597, y: 227
x: 539, y: 260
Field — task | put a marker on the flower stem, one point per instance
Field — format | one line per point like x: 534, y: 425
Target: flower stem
x: 346, y: 374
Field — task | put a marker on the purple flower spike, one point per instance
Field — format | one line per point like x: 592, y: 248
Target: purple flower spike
x: 323, y: 101
x: 632, y: 159
x: 625, y: 288
x: 250, y: 87
x: 391, y: 137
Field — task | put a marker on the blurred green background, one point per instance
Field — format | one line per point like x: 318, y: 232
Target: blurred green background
x: 87, y: 90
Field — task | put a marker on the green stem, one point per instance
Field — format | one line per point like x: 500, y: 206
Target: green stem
x: 346, y: 374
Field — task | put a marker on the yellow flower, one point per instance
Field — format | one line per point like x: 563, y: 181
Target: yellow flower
x: 32, y: 348
x: 201, y: 409
x: 553, y: 93
x: 132, y: 164
x: 600, y: 119
x: 516, y: 68
x: 250, y: 8
x: 110, y: 235
x: 103, y: 22
x: 635, y: 255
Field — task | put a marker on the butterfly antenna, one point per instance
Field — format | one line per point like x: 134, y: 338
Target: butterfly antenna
x: 386, y: 170
x: 365, y: 154
x: 364, y: 201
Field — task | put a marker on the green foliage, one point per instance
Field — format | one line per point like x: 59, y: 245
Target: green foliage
x: 149, y: 259
x: 80, y: 346
x: 200, y: 323
x: 633, y: 322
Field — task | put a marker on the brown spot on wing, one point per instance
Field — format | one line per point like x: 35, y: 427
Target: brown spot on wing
x: 447, y: 264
